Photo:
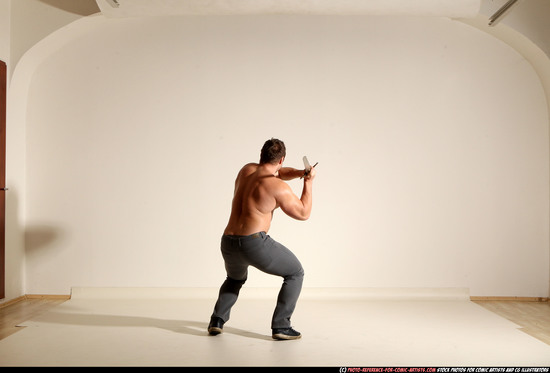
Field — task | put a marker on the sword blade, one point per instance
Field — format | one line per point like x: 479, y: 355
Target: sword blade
x: 307, y: 166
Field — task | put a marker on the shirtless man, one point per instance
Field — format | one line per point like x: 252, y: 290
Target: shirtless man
x: 259, y: 190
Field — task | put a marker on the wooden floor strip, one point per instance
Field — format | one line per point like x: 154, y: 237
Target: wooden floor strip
x: 509, y: 299
x: 533, y: 317
x: 23, y: 309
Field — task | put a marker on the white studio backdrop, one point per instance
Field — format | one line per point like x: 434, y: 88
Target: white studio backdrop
x: 431, y: 138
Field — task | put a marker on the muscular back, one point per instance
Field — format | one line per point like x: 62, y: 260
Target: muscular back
x: 258, y: 192
x: 253, y: 202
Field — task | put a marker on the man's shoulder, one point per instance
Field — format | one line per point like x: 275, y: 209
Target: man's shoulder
x: 248, y: 168
x: 275, y: 185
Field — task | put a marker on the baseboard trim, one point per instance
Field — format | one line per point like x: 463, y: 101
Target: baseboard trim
x: 509, y: 299
x: 34, y: 296
x: 48, y: 296
x: 12, y: 301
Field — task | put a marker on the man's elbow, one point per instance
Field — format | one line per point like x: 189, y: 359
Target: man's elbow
x: 300, y: 216
x: 298, y: 213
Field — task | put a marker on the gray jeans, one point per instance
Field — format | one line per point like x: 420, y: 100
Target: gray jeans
x: 261, y: 251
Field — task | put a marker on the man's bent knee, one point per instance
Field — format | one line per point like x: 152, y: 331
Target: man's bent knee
x: 295, y: 276
x: 236, y: 282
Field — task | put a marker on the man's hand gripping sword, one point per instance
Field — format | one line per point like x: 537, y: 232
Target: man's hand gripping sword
x: 307, y: 167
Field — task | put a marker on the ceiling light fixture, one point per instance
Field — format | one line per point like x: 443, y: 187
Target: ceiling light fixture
x: 113, y: 3
x: 501, y: 11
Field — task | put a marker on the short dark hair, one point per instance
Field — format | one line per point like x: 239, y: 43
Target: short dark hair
x: 272, y: 151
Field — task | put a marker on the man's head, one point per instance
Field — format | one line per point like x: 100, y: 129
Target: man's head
x: 272, y: 151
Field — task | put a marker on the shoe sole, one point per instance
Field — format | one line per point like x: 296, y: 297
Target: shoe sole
x: 285, y: 337
x: 214, y: 330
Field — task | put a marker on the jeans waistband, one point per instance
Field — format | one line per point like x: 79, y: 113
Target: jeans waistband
x: 242, y: 238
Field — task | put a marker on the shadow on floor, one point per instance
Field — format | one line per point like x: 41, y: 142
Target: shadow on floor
x: 195, y: 328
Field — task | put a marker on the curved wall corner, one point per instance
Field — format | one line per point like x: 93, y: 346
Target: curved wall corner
x: 16, y: 169
x: 524, y: 46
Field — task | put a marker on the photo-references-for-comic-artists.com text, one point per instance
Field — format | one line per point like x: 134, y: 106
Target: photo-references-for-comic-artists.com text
x: 446, y: 370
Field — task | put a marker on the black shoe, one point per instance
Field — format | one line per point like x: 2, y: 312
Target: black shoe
x: 285, y: 333
x: 216, y: 326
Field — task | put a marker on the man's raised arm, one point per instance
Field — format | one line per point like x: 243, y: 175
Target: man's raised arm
x: 289, y: 173
x: 297, y: 208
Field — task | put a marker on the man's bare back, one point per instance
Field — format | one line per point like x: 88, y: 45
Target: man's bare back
x: 259, y: 190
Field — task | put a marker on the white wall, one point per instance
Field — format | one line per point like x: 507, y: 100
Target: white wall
x: 431, y: 137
